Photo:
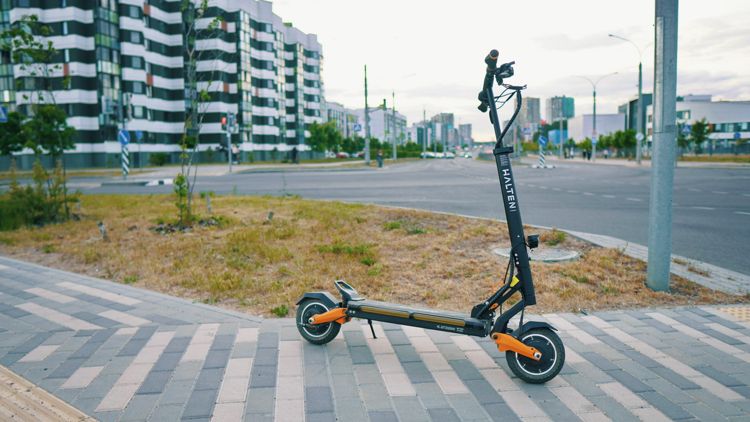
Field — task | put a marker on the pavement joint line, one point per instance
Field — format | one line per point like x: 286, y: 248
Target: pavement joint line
x: 394, y: 376
x: 132, y: 378
x: 444, y: 375
x: 705, y: 338
x: 564, y: 325
x: 232, y: 398
x: 57, y: 317
x: 707, y: 383
x: 122, y: 299
x: 516, y: 399
x: 636, y: 405
x: 290, y: 386
x: 48, y: 294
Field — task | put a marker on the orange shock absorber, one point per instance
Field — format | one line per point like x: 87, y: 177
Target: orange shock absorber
x: 507, y: 342
x: 335, y: 314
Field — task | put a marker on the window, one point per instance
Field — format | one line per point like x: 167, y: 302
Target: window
x: 137, y: 87
x: 138, y: 112
x: 137, y: 62
x: 136, y: 37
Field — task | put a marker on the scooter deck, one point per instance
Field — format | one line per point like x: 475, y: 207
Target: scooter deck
x: 454, y: 322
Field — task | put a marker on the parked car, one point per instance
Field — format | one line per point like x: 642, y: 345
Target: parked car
x: 467, y: 155
x: 342, y: 154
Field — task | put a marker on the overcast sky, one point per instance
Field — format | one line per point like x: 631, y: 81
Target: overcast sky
x: 430, y: 51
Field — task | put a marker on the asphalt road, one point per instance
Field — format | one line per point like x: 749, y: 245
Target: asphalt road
x: 711, y: 205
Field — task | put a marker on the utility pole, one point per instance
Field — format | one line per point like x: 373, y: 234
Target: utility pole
x: 595, y: 137
x: 393, y: 123
x: 385, y: 122
x: 640, y: 127
x: 560, y: 152
x: 367, y: 124
x: 424, y: 133
x: 664, y: 142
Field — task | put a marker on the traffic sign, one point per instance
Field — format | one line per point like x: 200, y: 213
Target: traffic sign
x: 138, y: 135
x: 737, y: 135
x: 686, y: 130
x: 124, y: 137
x: 594, y: 140
x: 3, y: 114
x: 639, y: 136
x: 357, y: 127
x: 542, y: 141
x: 526, y: 131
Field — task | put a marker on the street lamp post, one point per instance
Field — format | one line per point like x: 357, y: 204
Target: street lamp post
x: 639, y: 119
x: 594, y: 134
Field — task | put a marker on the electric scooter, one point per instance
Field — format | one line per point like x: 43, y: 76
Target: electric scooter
x: 534, y: 351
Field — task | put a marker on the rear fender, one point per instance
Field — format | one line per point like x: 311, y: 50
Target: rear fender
x: 324, y: 297
x: 530, y: 326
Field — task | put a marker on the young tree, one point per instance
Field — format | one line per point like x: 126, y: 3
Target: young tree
x: 699, y: 134
x: 682, y: 140
x: 197, y: 28
x: 12, y: 135
x: 40, y: 74
x: 324, y: 137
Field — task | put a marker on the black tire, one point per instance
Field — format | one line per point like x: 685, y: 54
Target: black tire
x: 553, y: 356
x: 315, y: 334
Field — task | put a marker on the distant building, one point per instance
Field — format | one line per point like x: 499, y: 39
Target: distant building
x: 559, y: 107
x: 346, y: 119
x: 529, y: 116
x: 419, y: 133
x: 464, y: 135
x: 727, y: 118
x: 582, y: 127
x: 383, y: 126
x: 630, y: 110
x: 444, y: 128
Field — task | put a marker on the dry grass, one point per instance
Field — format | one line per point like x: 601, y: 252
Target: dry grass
x: 258, y: 265
x: 723, y: 158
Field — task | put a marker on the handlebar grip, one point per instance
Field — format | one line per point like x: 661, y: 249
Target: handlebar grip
x: 491, y: 60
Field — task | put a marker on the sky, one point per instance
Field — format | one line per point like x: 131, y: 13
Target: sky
x: 430, y: 52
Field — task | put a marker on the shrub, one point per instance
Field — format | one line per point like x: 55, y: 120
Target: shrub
x: 280, y: 311
x: 158, y: 159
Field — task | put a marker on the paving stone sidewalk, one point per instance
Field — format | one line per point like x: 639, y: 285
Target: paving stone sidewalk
x: 120, y: 353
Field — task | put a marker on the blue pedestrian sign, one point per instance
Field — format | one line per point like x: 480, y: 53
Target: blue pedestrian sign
x: 542, y: 141
x: 3, y: 114
x: 124, y: 137
x: 737, y: 135
x: 138, y: 135
x: 357, y: 127
x: 686, y: 130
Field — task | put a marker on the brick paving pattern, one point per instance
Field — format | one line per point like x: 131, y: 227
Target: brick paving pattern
x: 119, y: 353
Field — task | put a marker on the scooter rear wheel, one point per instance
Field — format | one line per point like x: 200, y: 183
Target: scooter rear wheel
x: 553, y: 356
x: 315, y: 333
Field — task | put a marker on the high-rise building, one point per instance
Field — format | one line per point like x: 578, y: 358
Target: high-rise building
x: 529, y: 116
x: 630, y: 110
x: 253, y: 65
x: 464, y: 134
x: 559, y: 108
x: 443, y: 128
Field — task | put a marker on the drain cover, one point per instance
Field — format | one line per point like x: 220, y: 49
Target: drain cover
x: 544, y: 254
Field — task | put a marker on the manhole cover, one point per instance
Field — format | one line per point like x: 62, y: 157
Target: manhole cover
x: 544, y: 254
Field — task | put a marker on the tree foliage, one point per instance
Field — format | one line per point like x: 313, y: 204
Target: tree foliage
x: 324, y: 137
x: 699, y: 132
x: 12, y: 134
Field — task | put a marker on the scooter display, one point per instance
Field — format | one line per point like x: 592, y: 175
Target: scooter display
x: 533, y: 351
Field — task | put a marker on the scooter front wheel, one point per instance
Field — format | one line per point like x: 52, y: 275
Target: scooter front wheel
x: 315, y: 333
x: 553, y: 356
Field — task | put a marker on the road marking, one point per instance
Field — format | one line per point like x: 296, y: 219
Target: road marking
x: 543, y: 187
x: 556, y: 189
x: 572, y: 191
x: 609, y: 196
x: 746, y: 194
x: 719, y: 192
x: 742, y: 212
x: 634, y: 199
x: 703, y: 208
x: 694, y: 190
x: 588, y: 193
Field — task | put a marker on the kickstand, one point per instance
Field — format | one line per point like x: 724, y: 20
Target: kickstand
x: 369, y: 321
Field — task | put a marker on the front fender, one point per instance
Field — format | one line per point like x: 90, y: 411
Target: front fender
x: 530, y: 326
x: 324, y: 297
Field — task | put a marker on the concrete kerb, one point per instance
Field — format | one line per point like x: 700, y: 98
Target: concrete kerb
x: 717, y: 278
